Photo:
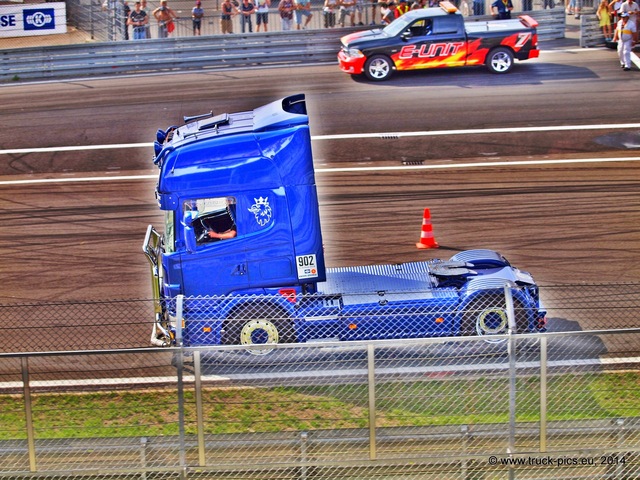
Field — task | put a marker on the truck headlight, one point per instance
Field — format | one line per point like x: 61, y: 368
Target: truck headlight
x: 353, y: 52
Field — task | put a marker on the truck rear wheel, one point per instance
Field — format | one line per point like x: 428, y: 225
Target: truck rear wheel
x: 258, y: 325
x: 378, y: 68
x: 499, y: 60
x: 487, y: 316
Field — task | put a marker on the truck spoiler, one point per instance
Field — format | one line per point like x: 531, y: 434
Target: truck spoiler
x: 528, y: 21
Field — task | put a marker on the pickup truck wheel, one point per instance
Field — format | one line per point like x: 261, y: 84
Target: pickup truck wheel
x: 378, y: 68
x: 487, y: 316
x: 258, y: 326
x: 500, y: 60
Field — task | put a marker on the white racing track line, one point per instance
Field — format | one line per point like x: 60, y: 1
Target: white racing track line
x: 343, y: 169
x: 380, y: 135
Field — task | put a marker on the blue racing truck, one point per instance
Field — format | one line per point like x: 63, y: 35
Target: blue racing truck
x: 242, y: 245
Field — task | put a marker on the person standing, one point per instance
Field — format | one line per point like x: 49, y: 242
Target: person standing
x: 478, y: 7
x: 228, y: 11
x: 401, y: 8
x: 604, y: 17
x: 387, y: 12
x: 631, y: 8
x: 625, y: 32
x: 165, y: 16
x: 286, y: 7
x: 329, y: 12
x: 303, y: 9
x: 502, y: 9
x: 262, y: 14
x: 614, y: 6
x: 196, y: 18
x: 147, y: 27
x: 138, y: 20
x: 347, y: 7
x: 247, y: 9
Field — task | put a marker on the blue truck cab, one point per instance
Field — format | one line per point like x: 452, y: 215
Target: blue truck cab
x: 242, y: 243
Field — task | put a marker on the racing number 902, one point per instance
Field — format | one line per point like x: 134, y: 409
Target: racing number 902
x: 306, y: 261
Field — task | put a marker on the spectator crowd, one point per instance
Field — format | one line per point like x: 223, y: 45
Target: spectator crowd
x: 254, y: 15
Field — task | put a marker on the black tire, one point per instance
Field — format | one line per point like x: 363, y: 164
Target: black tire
x: 256, y: 326
x: 378, y: 68
x: 487, y: 316
x: 499, y: 60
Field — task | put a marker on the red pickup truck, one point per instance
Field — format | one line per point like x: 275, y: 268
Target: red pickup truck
x: 435, y: 38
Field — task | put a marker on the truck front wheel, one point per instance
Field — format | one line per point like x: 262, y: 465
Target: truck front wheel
x: 257, y: 326
x: 500, y: 60
x: 378, y: 68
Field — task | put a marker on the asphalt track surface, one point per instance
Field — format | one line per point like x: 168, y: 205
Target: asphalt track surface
x: 540, y: 164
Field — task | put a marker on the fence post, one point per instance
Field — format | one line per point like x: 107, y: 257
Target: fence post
x: 143, y: 457
x: 31, y: 438
x: 511, y: 350
x: 543, y: 394
x: 372, y: 400
x: 199, y: 411
x: 619, y: 466
x: 464, y: 429
x: 304, y: 437
x: 180, y: 386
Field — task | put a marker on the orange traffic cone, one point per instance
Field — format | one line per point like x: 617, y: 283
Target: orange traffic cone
x: 426, y: 236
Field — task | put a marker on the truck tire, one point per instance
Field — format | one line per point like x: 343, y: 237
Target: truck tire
x: 257, y: 326
x: 499, y: 60
x: 487, y: 316
x: 378, y: 68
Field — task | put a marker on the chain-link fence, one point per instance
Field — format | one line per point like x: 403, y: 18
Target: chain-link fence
x: 562, y: 404
x: 47, y: 326
x: 529, y: 406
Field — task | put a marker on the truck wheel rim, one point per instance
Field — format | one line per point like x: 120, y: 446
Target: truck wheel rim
x: 379, y: 68
x: 492, y: 321
x: 501, y: 62
x: 259, y: 332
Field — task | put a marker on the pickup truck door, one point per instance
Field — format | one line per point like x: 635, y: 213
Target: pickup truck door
x: 433, y: 43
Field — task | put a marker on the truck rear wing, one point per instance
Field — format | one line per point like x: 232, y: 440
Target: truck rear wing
x: 528, y: 21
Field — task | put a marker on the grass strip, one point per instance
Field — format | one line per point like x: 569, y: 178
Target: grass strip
x: 249, y: 409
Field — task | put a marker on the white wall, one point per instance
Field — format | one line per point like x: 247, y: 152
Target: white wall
x: 33, y: 19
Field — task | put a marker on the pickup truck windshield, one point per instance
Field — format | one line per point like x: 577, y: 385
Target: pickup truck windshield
x: 397, y: 26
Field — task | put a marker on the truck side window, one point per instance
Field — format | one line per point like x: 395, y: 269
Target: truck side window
x: 421, y: 28
x: 449, y: 24
x: 215, y: 218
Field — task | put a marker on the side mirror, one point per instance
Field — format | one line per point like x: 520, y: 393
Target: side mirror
x: 406, y: 35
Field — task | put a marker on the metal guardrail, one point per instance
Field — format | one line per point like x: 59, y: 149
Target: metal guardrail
x: 165, y: 55
x: 215, y: 52
x: 590, y: 30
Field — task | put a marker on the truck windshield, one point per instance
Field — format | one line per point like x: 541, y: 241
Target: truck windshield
x: 397, y: 26
x: 169, y: 232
